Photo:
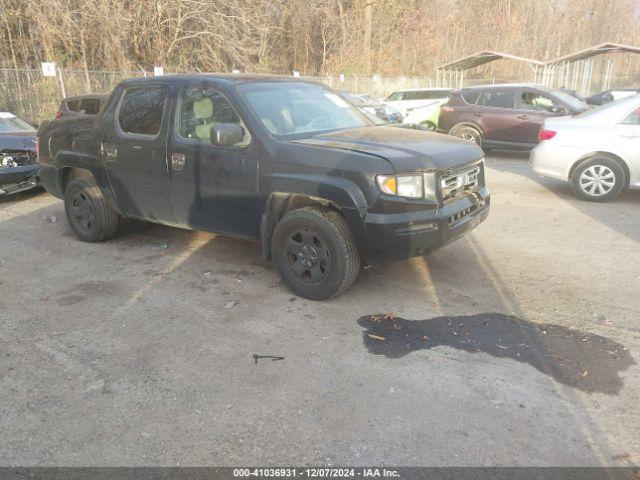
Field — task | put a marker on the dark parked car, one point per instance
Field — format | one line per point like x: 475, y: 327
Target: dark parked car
x: 504, y: 116
x: 288, y: 162
x: 18, y: 156
x: 81, y: 105
x: 611, y: 95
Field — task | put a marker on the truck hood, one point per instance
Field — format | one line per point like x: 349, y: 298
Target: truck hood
x: 407, y: 150
x: 19, y: 140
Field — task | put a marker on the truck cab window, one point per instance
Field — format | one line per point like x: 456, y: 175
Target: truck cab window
x: 90, y: 106
x: 141, y: 110
x: 73, y: 105
x: 203, y: 107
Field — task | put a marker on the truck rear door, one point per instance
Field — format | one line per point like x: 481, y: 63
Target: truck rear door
x: 135, y: 154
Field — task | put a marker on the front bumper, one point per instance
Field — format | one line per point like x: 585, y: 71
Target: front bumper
x: 19, y: 178
x: 402, y: 235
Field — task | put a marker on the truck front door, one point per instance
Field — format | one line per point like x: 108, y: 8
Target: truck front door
x: 212, y: 187
x: 135, y: 153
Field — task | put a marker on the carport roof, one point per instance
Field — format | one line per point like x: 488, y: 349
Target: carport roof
x: 480, y: 58
x: 600, y: 49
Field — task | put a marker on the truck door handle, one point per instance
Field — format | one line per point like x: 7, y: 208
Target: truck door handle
x: 109, y: 152
x: 177, y: 161
x: 477, y: 114
x: 523, y: 117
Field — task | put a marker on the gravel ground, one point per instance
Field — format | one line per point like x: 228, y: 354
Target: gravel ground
x: 516, y: 345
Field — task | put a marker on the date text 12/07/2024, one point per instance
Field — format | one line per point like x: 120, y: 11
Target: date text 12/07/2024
x: 315, y: 472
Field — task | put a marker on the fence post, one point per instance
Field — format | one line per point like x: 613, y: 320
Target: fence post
x: 61, y: 79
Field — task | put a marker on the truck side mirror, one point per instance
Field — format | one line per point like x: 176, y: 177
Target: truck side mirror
x: 226, y: 134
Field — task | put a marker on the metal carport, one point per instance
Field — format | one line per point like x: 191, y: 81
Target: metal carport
x: 451, y: 74
x: 575, y: 70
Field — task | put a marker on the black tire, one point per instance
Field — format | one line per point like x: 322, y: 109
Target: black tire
x: 89, y: 216
x: 469, y: 133
x: 315, y: 252
x: 599, y: 179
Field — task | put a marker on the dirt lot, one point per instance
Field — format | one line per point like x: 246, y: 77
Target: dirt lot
x: 517, y: 345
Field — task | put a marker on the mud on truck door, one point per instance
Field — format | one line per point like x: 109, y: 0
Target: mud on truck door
x: 135, y: 154
x: 214, y: 187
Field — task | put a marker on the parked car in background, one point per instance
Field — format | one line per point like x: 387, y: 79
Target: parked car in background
x: 81, y: 105
x: 18, y: 155
x: 573, y: 93
x: 611, y: 95
x: 287, y: 162
x: 504, y: 116
x: 597, y: 152
x: 427, y: 116
x: 371, y: 106
x: 406, y: 101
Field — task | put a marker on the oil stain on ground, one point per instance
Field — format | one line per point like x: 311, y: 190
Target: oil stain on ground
x: 578, y: 359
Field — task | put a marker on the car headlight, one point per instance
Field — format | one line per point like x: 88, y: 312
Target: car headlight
x: 410, y: 186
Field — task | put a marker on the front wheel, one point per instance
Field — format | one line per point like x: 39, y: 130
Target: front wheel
x: 598, y: 180
x: 315, y: 252
x: 89, y: 216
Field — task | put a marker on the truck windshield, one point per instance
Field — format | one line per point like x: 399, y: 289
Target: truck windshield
x: 11, y: 123
x: 296, y: 109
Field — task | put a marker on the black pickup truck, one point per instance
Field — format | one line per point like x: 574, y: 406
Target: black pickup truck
x: 285, y: 161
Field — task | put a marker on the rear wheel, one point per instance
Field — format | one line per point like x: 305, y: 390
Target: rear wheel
x: 470, y: 134
x: 598, y: 180
x: 89, y: 216
x: 315, y: 252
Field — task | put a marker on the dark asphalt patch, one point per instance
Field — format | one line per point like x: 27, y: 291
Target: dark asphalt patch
x: 581, y: 360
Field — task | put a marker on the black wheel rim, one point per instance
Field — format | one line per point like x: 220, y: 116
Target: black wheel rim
x: 308, y: 257
x: 82, y: 212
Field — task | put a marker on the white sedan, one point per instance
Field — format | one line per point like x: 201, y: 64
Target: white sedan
x: 597, y: 152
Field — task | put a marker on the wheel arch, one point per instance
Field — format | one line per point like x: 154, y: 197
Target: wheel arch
x: 66, y: 174
x: 278, y: 204
x: 76, y: 165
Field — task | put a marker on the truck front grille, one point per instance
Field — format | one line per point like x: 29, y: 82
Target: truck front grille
x: 464, y: 180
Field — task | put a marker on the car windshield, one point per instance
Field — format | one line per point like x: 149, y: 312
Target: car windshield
x: 11, y: 123
x: 573, y: 102
x: 300, y: 109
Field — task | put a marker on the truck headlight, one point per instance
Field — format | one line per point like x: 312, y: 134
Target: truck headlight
x: 430, y: 185
x: 410, y: 186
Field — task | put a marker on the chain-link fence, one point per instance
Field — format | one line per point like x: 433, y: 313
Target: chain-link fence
x: 375, y: 86
x: 35, y: 97
x: 29, y: 94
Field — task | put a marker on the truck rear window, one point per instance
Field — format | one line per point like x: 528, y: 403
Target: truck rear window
x: 90, y: 106
x: 141, y: 110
